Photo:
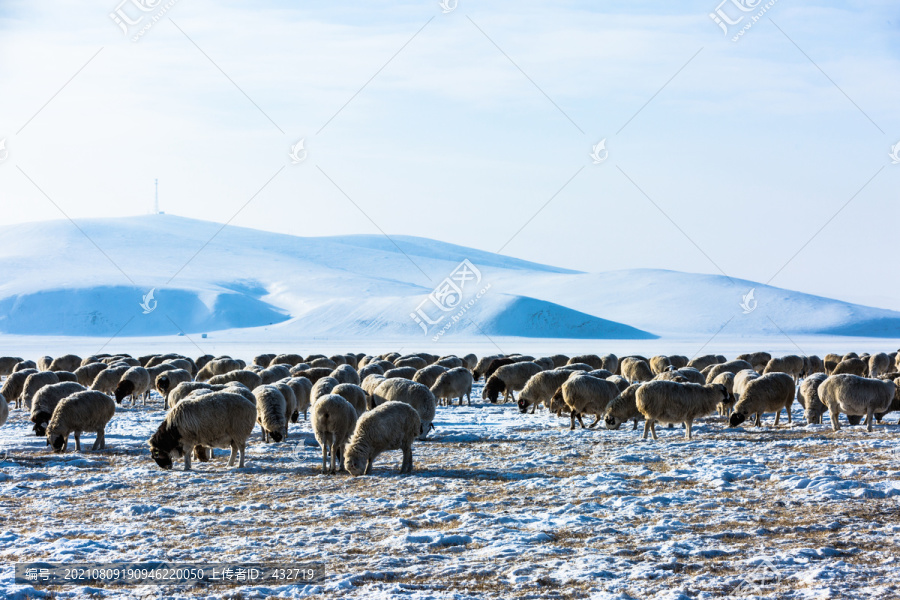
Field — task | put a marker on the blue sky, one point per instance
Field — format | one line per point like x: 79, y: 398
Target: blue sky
x: 723, y: 156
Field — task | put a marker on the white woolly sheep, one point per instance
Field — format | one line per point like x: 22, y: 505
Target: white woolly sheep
x: 851, y: 366
x: 854, y: 395
x: 483, y: 364
x: 69, y: 362
x: 372, y: 370
x: 248, y: 378
x: 741, y: 379
x: 168, y: 380
x: 584, y: 394
x: 219, y: 366
x: 290, y: 403
x: 134, y: 382
x: 322, y: 362
x: 274, y: 373
x: 618, y: 381
x: 455, y: 383
x: 541, y: 387
x: 263, y: 360
x: 470, y: 361
x: 345, y: 374
x: 323, y: 387
x: 4, y: 410
x: 44, y: 362
x: 353, y: 394
x: 589, y: 359
x: 14, y: 384
x: 757, y: 360
x: 659, y: 363
x: 270, y: 409
x: 790, y: 364
x: 673, y: 402
x: 35, y: 382
x: 622, y: 408
x: 727, y: 379
x: 635, y: 370
x: 509, y: 379
x: 302, y: 388
x: 45, y: 401
x: 7, y: 364
x: 80, y: 412
x: 400, y: 372
x: 86, y: 374
x: 333, y: 422
x: 610, y: 362
x: 409, y: 392
x: 879, y: 364
x: 450, y: 362
x: 701, y: 362
x: 390, y: 426
x: 183, y: 390
x: 683, y: 375
x: 767, y: 393
x: 429, y: 374
x: 808, y: 396
x: 107, y: 380
x: 212, y: 420
x: 733, y: 366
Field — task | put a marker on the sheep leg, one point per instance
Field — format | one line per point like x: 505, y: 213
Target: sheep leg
x: 687, y: 428
x: 835, y: 420
x: 572, y: 416
x: 634, y: 426
x: 333, y: 455
x: 368, y: 466
x: 869, y: 419
x: 788, y: 409
x: 777, y: 416
x: 596, y: 420
x: 653, y: 430
x: 646, y: 429
x: 187, y: 459
x: 407, y: 465
x: 234, y: 451
x: 77, y: 441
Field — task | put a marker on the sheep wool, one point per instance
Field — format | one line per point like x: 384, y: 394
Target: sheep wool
x: 83, y: 411
x: 390, y: 426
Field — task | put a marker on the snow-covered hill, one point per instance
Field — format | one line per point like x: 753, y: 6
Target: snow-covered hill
x: 93, y: 279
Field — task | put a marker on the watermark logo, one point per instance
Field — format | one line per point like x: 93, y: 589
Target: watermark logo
x: 448, y: 5
x: 736, y: 12
x: 4, y: 153
x: 130, y: 15
x: 748, y: 302
x: 763, y: 576
x: 895, y: 153
x: 447, y: 297
x: 148, y: 303
x: 297, y: 452
x: 599, y: 152
x: 298, y: 154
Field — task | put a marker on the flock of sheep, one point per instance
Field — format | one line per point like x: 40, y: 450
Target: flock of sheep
x: 360, y: 405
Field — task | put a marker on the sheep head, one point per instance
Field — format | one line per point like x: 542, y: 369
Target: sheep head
x: 124, y: 388
x: 57, y: 441
x: 355, y: 463
x: 40, y: 421
x: 165, y: 444
x: 492, y: 389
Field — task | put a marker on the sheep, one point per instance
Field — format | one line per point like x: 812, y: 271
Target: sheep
x: 895, y: 403
x: 35, y: 382
x: 726, y: 367
x: 183, y: 390
x: 816, y: 365
x: 540, y: 388
x: 248, y: 378
x: 346, y: 374
x: 601, y: 374
x: 385, y: 365
x: 263, y: 360
x: 66, y: 376
x: 790, y: 364
x: 831, y: 361
x: 741, y: 379
x: 403, y: 372
x: 134, y: 382
x: 470, y: 361
x: 302, y: 388
x: 7, y: 364
x: 323, y: 362
x: 285, y: 359
x: 851, y: 366
x: 45, y: 402
x: 635, y: 370
x: 69, y: 362
x: 353, y: 394
x: 455, y: 383
x: 854, y: 395
x: 429, y: 374
x: 687, y: 374
x: 370, y: 383
x: 202, y: 361
x: 376, y: 370
x: 391, y: 426
x: 82, y: 411
x: 24, y: 365
x: 544, y: 362
x: 313, y: 374
x: 108, y: 379
x: 322, y: 387
x: 290, y: 403
x: 333, y: 422
x: 584, y: 394
x: 86, y: 374
x: 509, y: 379
x: 416, y: 362
x: 450, y: 362
x: 757, y: 360
x: 576, y: 367
x: 622, y: 408
x: 270, y: 409
x: 850, y: 355
x: 727, y: 379
x: 167, y: 380
x: 589, y: 359
x: 214, y: 420
x: 409, y: 392
x: 808, y: 396
x: 12, y: 387
x: 658, y: 364
x: 679, y: 361
x: 4, y: 410
x: 618, y: 381
x: 766, y: 393
x: 218, y: 367
x: 878, y: 364
x: 274, y: 373
x: 673, y: 402
x: 44, y: 362
x: 701, y: 362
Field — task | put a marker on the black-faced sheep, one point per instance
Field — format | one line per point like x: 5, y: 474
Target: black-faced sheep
x: 270, y: 409
x: 509, y: 379
x: 333, y: 422
x: 214, y: 420
x: 622, y: 408
x: 455, y: 383
x: 429, y: 374
x: 854, y: 395
x: 635, y: 370
x: 540, y: 388
x: 14, y: 384
x: 45, y: 401
x: 587, y: 395
x: 673, y: 402
x: 168, y: 380
x: 768, y: 393
x: 134, y: 382
x: 80, y: 412
x: 808, y: 396
x: 390, y: 426
x: 35, y: 382
x: 482, y: 365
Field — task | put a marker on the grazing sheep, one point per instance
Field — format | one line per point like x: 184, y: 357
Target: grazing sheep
x: 559, y: 360
x: 808, y: 396
x: 86, y: 374
x: 290, y: 403
x: 500, y: 362
x: 544, y: 362
x: 734, y: 366
x: 790, y: 364
x: 470, y: 361
x: 7, y: 364
x: 679, y: 361
x: 333, y: 422
x: 601, y: 374
x: 12, y: 387
x: 82, y: 411
x: 391, y: 426
x: 635, y: 370
x: 589, y: 359
x: 375, y: 370
x: 622, y: 408
x: 541, y: 387
x: 286, y: 359
x: 757, y: 360
x: 369, y: 384
x: 767, y: 393
x: 402, y: 372
x: 69, y: 362
x: 134, y: 382
x: 243, y: 376
x: 25, y: 365
x: 577, y: 367
x: 213, y: 420
x: 66, y: 376
x: 684, y: 375
x: 831, y: 361
x: 659, y: 363
x: 33, y: 383
x: 895, y: 403
x: 854, y: 395
x: 302, y: 388
x: 618, y: 381
x: 202, y: 361
x: 482, y: 365
x: 701, y: 362
x: 219, y: 366
x: 183, y: 390
x: 429, y: 374
x: 450, y: 362
x: 166, y: 382
x: 416, y: 362
x: 313, y: 374
x: 741, y: 379
x: 509, y: 379
x: 44, y: 362
x: 323, y: 387
x: 409, y: 392
x: 273, y: 373
x: 4, y: 410
x: 584, y: 394
x: 353, y: 394
x: 322, y: 362
x: 673, y: 402
x: 108, y: 379
x: 878, y: 364
x: 455, y: 383
x: 610, y: 362
x: 270, y: 409
x: 263, y: 360
x: 45, y: 402
x: 346, y: 374
x: 726, y: 379
x: 851, y: 366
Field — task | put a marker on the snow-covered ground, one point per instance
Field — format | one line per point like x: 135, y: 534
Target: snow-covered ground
x: 501, y: 505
